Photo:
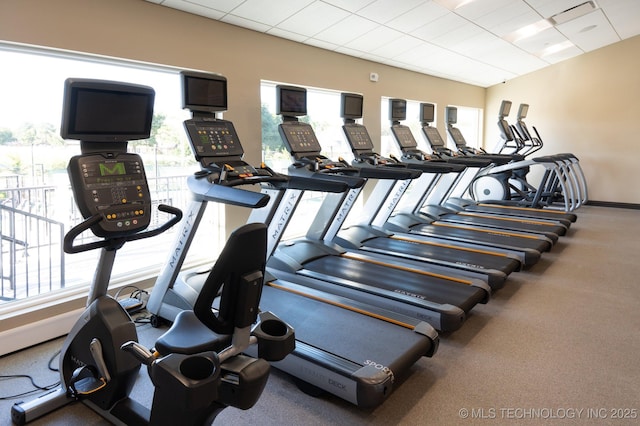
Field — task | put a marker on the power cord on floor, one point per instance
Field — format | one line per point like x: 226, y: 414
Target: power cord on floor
x: 37, y: 387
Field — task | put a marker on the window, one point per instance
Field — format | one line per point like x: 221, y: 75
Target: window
x: 35, y: 201
x: 470, y: 125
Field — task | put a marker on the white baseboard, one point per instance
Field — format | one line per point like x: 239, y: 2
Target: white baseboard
x: 31, y: 334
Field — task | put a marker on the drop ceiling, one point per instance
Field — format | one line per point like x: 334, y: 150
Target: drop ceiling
x: 477, y: 42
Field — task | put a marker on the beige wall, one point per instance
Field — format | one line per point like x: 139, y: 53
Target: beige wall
x: 587, y: 105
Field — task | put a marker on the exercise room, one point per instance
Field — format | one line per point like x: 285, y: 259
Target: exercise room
x: 319, y: 212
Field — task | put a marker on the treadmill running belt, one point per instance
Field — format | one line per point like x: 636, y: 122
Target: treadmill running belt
x: 433, y: 289
x: 343, y: 333
x: 478, y: 260
x: 482, y: 237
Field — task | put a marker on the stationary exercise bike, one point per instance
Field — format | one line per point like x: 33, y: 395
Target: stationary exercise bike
x: 198, y: 367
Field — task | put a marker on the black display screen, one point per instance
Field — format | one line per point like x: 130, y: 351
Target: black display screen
x: 351, y: 106
x: 101, y: 111
x: 204, y: 92
x: 452, y: 115
x: 427, y: 113
x: 397, y: 109
x: 291, y: 101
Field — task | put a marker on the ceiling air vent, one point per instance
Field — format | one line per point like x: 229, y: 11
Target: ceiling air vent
x: 573, y: 13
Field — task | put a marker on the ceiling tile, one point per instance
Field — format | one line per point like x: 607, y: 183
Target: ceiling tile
x: 478, y: 44
x: 509, y: 18
x: 314, y: 18
x: 385, y: 10
x: 398, y: 46
x: 422, y: 55
x: 264, y: 12
x: 563, y: 55
x: 458, y: 35
x: 350, y: 5
x: 417, y: 17
x: 624, y: 15
x: 439, y: 27
x: 589, y: 32
x: 346, y: 30
x: 373, y: 39
x: 477, y: 9
x: 540, y: 41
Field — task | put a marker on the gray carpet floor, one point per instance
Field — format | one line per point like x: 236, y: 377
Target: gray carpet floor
x: 558, y: 345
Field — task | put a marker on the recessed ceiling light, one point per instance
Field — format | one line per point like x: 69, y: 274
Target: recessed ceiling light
x: 528, y: 31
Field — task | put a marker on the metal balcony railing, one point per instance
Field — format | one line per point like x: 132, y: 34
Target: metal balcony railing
x: 33, y: 221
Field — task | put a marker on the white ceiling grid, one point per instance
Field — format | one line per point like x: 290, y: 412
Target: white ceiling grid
x: 467, y: 43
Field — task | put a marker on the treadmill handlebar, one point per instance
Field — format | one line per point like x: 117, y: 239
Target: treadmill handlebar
x: 387, y: 172
x: 373, y: 165
x: 469, y: 161
x: 320, y: 167
x: 204, y: 190
x: 318, y: 182
x: 436, y: 167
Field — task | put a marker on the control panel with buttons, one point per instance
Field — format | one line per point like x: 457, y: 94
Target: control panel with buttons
x: 114, y: 187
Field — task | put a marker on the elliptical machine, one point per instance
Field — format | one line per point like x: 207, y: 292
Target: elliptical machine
x: 200, y: 368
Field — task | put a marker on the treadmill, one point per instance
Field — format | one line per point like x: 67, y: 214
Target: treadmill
x: 401, y: 285
x: 343, y: 347
x: 411, y: 219
x: 444, y: 213
x: 386, y: 194
x: 507, y: 210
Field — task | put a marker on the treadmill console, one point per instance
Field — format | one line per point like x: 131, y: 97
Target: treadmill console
x: 434, y: 137
x: 299, y: 137
x: 358, y: 137
x: 212, y: 138
x: 404, y: 137
x: 115, y: 188
x: 456, y: 134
